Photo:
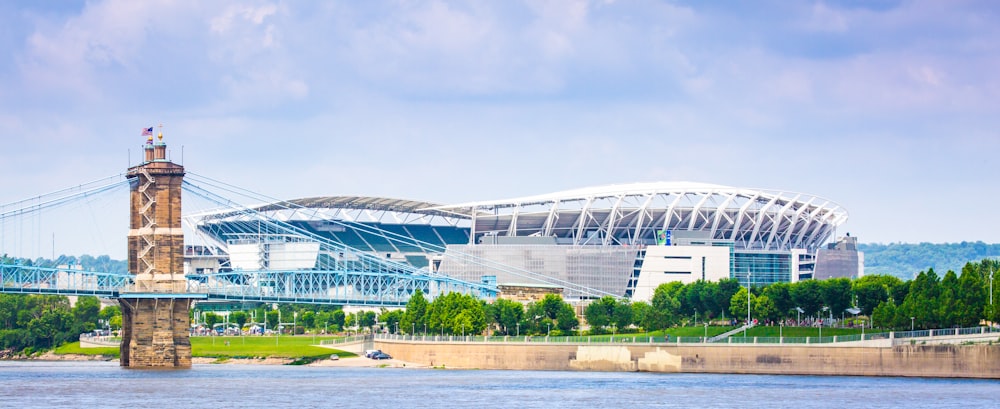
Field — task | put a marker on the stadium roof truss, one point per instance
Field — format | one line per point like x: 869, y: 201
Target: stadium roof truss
x: 752, y: 219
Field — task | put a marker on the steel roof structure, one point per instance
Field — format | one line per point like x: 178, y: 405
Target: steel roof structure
x: 627, y: 214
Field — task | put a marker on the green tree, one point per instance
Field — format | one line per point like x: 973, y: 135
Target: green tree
x: 727, y: 287
x: 622, y: 314
x: 808, y: 296
x: 884, y: 316
x: 86, y: 312
x: 211, y: 319
x: 415, y: 316
x: 598, y: 313
x: 764, y: 309
x: 640, y: 310
x: 307, y: 319
x: 239, y: 317
x: 272, y: 320
x: 391, y: 319
x: 507, y: 314
x: 836, y: 294
x: 664, y: 309
x: 738, y: 304
x: 780, y: 296
x: 566, y: 318
x: 338, y: 319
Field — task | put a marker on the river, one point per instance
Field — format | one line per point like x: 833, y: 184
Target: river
x: 27, y: 384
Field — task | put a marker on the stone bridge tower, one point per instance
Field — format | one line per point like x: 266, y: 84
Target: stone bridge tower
x: 155, y: 315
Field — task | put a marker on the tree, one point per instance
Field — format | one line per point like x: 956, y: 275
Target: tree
x: 727, y: 287
x: 272, y: 319
x: 764, y: 308
x: 338, y: 319
x: 872, y: 290
x: 598, y: 313
x: 884, y: 316
x: 640, y: 310
x: 621, y: 314
x: 239, y: 317
x: 807, y: 295
x: 663, y: 311
x: 506, y: 314
x: 211, y: 319
x: 392, y: 319
x: 836, y: 294
x: 566, y: 318
x: 779, y: 294
x: 86, y: 312
x: 307, y: 319
x: 738, y: 304
x: 415, y: 315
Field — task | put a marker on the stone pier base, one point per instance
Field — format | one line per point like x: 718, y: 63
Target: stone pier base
x: 155, y: 332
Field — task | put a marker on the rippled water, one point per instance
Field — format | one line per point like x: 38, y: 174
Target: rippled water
x: 104, y: 384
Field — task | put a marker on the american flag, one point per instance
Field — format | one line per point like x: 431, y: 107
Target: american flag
x: 147, y: 131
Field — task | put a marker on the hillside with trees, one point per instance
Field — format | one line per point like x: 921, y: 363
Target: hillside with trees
x: 906, y: 260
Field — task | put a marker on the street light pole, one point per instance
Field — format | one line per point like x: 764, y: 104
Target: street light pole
x: 749, y: 284
x: 911, y: 325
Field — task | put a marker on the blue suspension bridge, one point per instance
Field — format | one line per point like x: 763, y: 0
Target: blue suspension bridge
x: 341, y: 274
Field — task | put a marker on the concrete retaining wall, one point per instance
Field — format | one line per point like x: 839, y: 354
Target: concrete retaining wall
x: 949, y: 361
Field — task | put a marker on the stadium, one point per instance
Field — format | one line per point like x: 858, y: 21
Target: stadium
x: 622, y: 240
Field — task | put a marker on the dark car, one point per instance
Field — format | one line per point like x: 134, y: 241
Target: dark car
x: 381, y: 355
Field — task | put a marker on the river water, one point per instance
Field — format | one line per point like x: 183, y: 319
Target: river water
x: 28, y: 384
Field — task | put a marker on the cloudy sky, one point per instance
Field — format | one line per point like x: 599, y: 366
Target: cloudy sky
x: 889, y: 108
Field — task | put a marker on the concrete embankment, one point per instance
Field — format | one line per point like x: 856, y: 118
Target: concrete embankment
x: 947, y: 361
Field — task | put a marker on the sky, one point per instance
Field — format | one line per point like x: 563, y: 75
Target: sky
x: 891, y: 109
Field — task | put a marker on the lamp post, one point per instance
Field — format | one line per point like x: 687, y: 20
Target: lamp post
x: 696, y: 317
x: 781, y: 327
x: 706, y: 332
x: 749, y: 283
x: 413, y: 328
x: 548, y: 329
x: 911, y: 325
x: 519, y: 329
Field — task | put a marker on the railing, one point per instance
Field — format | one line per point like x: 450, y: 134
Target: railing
x: 346, y: 340
x: 635, y: 339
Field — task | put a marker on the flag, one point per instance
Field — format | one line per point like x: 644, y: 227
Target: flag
x: 147, y: 131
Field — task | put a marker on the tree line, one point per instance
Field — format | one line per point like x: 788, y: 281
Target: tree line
x: 39, y: 322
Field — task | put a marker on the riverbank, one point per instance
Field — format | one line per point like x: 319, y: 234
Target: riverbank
x: 937, y: 361
x: 350, y: 362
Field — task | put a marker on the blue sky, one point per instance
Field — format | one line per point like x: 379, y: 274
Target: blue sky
x: 889, y: 108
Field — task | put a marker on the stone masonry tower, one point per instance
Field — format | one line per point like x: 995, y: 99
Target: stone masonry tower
x: 155, y: 320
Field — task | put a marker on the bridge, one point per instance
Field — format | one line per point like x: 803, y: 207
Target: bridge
x: 156, y: 295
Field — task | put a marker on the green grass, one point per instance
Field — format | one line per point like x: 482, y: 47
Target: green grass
x: 73, y: 348
x: 299, y: 347
x: 773, y: 331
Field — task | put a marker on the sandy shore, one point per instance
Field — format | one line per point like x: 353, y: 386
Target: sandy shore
x: 353, y: 362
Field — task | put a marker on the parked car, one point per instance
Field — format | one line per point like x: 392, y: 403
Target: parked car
x: 371, y: 353
x: 381, y: 355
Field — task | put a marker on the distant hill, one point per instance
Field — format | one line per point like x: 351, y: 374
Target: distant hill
x: 905, y: 260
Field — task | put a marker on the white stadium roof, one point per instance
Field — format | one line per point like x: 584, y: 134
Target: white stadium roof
x: 631, y: 213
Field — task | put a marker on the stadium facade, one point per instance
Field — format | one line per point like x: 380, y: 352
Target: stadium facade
x: 622, y: 240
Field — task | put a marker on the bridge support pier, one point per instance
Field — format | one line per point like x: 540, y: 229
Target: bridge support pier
x: 155, y: 332
x: 155, y: 314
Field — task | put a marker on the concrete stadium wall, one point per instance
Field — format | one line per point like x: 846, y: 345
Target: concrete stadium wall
x: 948, y: 361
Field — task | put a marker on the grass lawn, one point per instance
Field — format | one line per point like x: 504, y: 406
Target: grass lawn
x: 74, y: 349
x: 299, y: 347
x: 257, y: 346
x: 772, y: 331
